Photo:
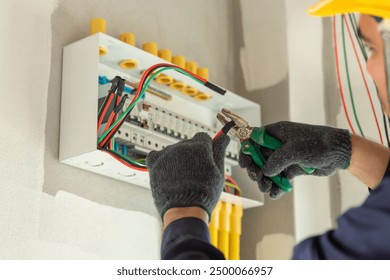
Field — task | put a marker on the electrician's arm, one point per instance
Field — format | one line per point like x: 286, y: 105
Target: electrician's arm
x: 177, y: 213
x: 362, y: 232
x: 324, y: 148
x: 186, y: 235
x: 369, y: 161
x: 186, y: 181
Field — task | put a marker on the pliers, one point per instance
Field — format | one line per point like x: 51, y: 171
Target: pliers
x: 244, y: 132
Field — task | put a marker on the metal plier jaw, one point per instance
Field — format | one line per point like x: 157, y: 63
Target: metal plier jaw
x: 242, y: 131
x: 259, y: 138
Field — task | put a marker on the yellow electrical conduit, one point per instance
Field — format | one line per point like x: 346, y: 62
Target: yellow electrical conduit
x: 225, y: 229
x: 235, y: 232
x: 225, y: 225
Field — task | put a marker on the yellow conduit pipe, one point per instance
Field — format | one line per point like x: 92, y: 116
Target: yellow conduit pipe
x: 190, y: 66
x: 224, y: 228
x: 235, y: 232
x: 165, y: 54
x: 98, y: 25
x: 180, y: 61
x: 214, y: 224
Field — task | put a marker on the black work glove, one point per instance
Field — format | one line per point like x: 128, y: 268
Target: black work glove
x: 189, y: 173
x: 324, y: 148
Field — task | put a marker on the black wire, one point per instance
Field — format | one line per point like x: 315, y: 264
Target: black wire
x: 114, y: 86
x: 386, y: 130
x: 361, y: 45
x: 107, y: 140
x: 105, y: 104
x: 226, y: 128
x: 151, y: 71
x: 359, y: 40
x: 388, y: 119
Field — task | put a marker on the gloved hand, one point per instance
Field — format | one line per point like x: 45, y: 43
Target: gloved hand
x: 324, y: 148
x: 189, y: 173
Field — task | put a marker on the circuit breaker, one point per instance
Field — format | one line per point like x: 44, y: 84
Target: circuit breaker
x: 167, y: 114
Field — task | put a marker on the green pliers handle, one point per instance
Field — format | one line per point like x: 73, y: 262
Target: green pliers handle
x: 262, y: 138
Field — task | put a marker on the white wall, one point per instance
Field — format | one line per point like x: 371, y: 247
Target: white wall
x: 264, y: 43
x: 34, y: 224
x: 50, y: 210
x: 311, y: 194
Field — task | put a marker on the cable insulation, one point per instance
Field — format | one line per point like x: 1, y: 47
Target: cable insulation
x: 338, y: 74
x: 386, y: 130
x: 121, y: 160
x: 365, y: 81
x: 104, y: 110
x: 348, y: 77
x: 235, y: 187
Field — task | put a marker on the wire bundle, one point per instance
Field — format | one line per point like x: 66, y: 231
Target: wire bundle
x: 116, y: 120
x: 231, y: 183
x: 345, y: 23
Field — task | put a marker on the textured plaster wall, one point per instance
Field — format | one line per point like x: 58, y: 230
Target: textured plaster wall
x: 270, y: 227
x: 186, y: 27
x: 50, y: 210
x: 33, y: 223
x: 306, y: 94
x: 47, y: 209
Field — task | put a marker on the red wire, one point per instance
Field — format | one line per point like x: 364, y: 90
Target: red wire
x: 108, y: 135
x: 338, y: 75
x: 217, y: 135
x: 103, y: 142
x: 111, y: 119
x: 364, y: 79
x: 231, y: 179
x: 104, y: 110
x: 146, y: 73
x: 141, y: 82
x: 125, y: 163
x: 137, y: 93
x: 237, y: 192
x: 109, y: 122
x: 117, y: 101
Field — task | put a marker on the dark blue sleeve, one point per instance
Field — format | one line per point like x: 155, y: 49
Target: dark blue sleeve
x: 188, y: 239
x: 362, y: 233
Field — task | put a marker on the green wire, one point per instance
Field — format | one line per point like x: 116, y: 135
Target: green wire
x: 142, y: 93
x: 233, y: 186
x: 125, y: 158
x: 360, y: 40
x: 151, y: 78
x: 144, y: 87
x: 146, y: 84
x: 348, y: 77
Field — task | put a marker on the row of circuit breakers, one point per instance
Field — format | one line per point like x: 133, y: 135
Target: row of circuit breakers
x: 150, y: 127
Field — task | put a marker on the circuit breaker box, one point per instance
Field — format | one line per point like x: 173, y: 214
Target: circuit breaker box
x: 164, y: 117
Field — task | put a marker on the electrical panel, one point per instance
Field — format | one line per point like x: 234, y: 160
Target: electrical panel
x: 163, y: 117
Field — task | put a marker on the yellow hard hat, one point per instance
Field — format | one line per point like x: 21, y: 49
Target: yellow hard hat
x: 323, y: 8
